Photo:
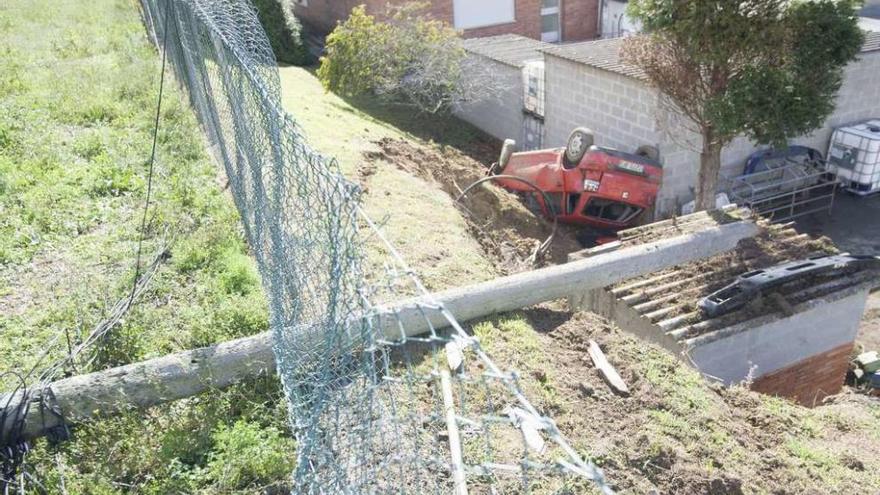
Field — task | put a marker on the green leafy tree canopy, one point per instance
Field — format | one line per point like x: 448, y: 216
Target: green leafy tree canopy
x: 405, y: 58
x: 766, y: 69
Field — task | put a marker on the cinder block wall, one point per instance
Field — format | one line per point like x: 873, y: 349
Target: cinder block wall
x: 501, y: 115
x: 624, y: 113
x: 620, y: 110
x: 858, y: 99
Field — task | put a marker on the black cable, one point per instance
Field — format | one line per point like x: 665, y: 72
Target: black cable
x: 12, y: 448
x: 137, y: 265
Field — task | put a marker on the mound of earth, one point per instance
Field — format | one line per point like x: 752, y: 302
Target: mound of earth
x: 678, y: 433
x: 509, y: 232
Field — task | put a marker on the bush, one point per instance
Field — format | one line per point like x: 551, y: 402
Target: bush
x: 284, y: 31
x: 249, y: 456
x: 408, y: 59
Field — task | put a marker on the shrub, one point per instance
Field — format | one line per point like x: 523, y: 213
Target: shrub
x: 284, y: 31
x: 408, y: 59
x: 249, y: 456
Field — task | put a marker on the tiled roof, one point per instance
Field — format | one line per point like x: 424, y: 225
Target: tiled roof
x: 602, y: 54
x: 510, y: 49
x: 605, y: 54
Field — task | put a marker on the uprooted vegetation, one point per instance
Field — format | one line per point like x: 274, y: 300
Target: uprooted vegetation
x: 675, y: 433
x: 512, y: 235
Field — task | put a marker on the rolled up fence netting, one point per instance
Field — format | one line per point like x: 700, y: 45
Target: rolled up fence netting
x: 379, y: 401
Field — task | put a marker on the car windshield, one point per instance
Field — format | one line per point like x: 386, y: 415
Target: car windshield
x: 612, y: 211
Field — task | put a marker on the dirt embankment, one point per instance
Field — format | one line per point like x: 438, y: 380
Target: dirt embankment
x: 509, y: 232
x: 677, y: 433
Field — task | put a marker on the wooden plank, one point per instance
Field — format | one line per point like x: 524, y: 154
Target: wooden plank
x: 459, y: 479
x: 606, y: 369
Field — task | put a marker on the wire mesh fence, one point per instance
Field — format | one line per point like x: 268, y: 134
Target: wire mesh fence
x: 378, y: 402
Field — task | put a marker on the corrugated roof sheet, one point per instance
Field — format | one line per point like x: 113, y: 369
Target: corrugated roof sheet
x: 510, y: 49
x: 605, y: 54
x: 872, y: 41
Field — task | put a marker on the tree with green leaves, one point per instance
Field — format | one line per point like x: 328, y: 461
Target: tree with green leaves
x: 766, y: 69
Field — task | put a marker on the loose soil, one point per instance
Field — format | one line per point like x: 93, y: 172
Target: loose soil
x: 507, y: 230
x: 676, y: 433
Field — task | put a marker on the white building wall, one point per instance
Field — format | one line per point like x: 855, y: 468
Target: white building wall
x: 501, y: 115
x: 623, y: 112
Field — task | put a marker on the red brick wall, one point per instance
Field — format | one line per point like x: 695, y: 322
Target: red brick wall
x: 580, y: 20
x: 579, y: 17
x: 811, y: 380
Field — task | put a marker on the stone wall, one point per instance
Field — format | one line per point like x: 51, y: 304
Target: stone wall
x: 501, y: 115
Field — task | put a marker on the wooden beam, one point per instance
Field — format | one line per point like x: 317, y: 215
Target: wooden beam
x: 189, y: 373
x: 608, y: 372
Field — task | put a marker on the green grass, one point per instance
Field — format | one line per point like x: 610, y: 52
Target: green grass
x: 419, y: 219
x: 78, y: 86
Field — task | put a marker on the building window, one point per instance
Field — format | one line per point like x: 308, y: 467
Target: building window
x: 469, y: 14
x: 550, y: 21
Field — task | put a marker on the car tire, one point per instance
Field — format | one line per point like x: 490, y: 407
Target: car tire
x: 649, y: 152
x: 579, y: 141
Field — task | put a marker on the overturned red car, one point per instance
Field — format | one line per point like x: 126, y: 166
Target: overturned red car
x: 584, y: 184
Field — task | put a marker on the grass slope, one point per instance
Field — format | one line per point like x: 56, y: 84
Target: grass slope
x: 78, y: 84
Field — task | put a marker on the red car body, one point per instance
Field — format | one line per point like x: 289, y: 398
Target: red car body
x: 608, y: 189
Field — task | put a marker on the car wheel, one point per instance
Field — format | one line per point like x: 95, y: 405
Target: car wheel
x: 579, y: 141
x: 649, y: 152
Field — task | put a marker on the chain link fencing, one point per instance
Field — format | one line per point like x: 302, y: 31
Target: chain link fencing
x: 379, y: 402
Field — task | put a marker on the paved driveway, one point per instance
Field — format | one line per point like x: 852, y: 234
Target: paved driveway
x: 854, y: 224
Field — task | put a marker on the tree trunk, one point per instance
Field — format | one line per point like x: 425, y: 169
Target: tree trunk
x: 710, y: 167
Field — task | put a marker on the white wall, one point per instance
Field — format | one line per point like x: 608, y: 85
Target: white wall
x: 502, y: 115
x: 783, y: 342
x: 615, y: 22
x: 477, y: 13
x: 623, y: 112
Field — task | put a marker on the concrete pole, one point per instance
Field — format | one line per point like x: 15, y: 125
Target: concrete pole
x: 184, y: 374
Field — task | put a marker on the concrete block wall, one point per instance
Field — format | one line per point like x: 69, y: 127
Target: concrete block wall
x: 620, y: 110
x: 502, y: 114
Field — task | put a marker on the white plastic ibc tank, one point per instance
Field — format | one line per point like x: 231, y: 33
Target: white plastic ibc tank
x: 855, y: 154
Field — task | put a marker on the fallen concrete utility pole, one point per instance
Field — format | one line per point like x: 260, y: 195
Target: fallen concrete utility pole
x: 185, y: 374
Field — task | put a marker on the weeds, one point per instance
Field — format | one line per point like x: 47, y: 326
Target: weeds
x: 78, y: 83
